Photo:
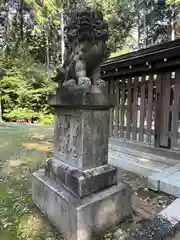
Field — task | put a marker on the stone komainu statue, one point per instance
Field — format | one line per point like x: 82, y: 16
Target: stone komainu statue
x: 86, y: 34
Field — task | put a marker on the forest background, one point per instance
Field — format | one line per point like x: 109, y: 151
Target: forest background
x: 32, y: 43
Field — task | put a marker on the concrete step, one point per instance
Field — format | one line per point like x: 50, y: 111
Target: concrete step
x: 161, y: 167
x: 166, y: 156
x: 138, y: 165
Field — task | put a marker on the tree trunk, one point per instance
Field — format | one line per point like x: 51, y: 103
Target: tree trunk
x: 138, y: 31
x: 21, y: 20
x: 172, y: 25
x: 47, y: 51
x: 62, y: 39
x: 3, y: 23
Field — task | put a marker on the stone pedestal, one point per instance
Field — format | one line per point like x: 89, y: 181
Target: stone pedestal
x: 78, y: 190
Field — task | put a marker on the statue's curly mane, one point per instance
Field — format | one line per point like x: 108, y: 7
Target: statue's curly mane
x: 86, y: 24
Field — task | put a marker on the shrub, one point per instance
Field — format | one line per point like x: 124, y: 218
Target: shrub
x: 46, y: 119
x: 28, y: 115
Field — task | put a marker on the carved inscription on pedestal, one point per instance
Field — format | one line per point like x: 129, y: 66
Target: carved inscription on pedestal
x: 69, y: 136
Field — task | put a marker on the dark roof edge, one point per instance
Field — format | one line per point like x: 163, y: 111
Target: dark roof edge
x: 143, y: 52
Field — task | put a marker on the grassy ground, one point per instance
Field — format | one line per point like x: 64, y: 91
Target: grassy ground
x: 23, y: 149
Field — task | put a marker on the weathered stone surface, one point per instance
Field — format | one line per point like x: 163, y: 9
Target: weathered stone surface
x: 171, y: 184
x: 92, y: 97
x: 79, y: 218
x: 82, y: 183
x: 134, y: 164
x: 155, y: 179
x: 172, y: 213
x: 86, y: 48
x: 81, y: 105
x: 81, y: 137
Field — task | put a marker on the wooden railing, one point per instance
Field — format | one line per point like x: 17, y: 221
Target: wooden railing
x: 147, y: 88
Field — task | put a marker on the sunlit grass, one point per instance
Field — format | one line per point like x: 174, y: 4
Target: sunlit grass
x: 21, y: 153
x: 38, y: 146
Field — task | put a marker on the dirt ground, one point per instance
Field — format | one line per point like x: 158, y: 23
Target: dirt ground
x: 146, y: 204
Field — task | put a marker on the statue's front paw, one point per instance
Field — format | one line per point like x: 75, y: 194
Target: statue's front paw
x: 69, y: 83
x: 101, y: 83
x: 47, y: 167
x: 84, y: 81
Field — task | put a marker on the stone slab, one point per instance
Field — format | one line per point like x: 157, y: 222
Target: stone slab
x: 140, y: 166
x: 172, y: 212
x: 82, y: 183
x: 171, y: 184
x: 92, y: 97
x: 154, y: 179
x: 79, y: 219
x: 162, y: 226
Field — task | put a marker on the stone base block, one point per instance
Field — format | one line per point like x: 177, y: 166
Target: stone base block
x: 79, y: 219
x: 82, y: 183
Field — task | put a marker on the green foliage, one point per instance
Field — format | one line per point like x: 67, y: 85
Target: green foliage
x: 25, y: 87
x: 32, y: 50
x: 46, y: 119
x: 21, y: 114
x: 173, y: 1
x: 118, y: 13
x: 156, y: 23
x: 119, y: 53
